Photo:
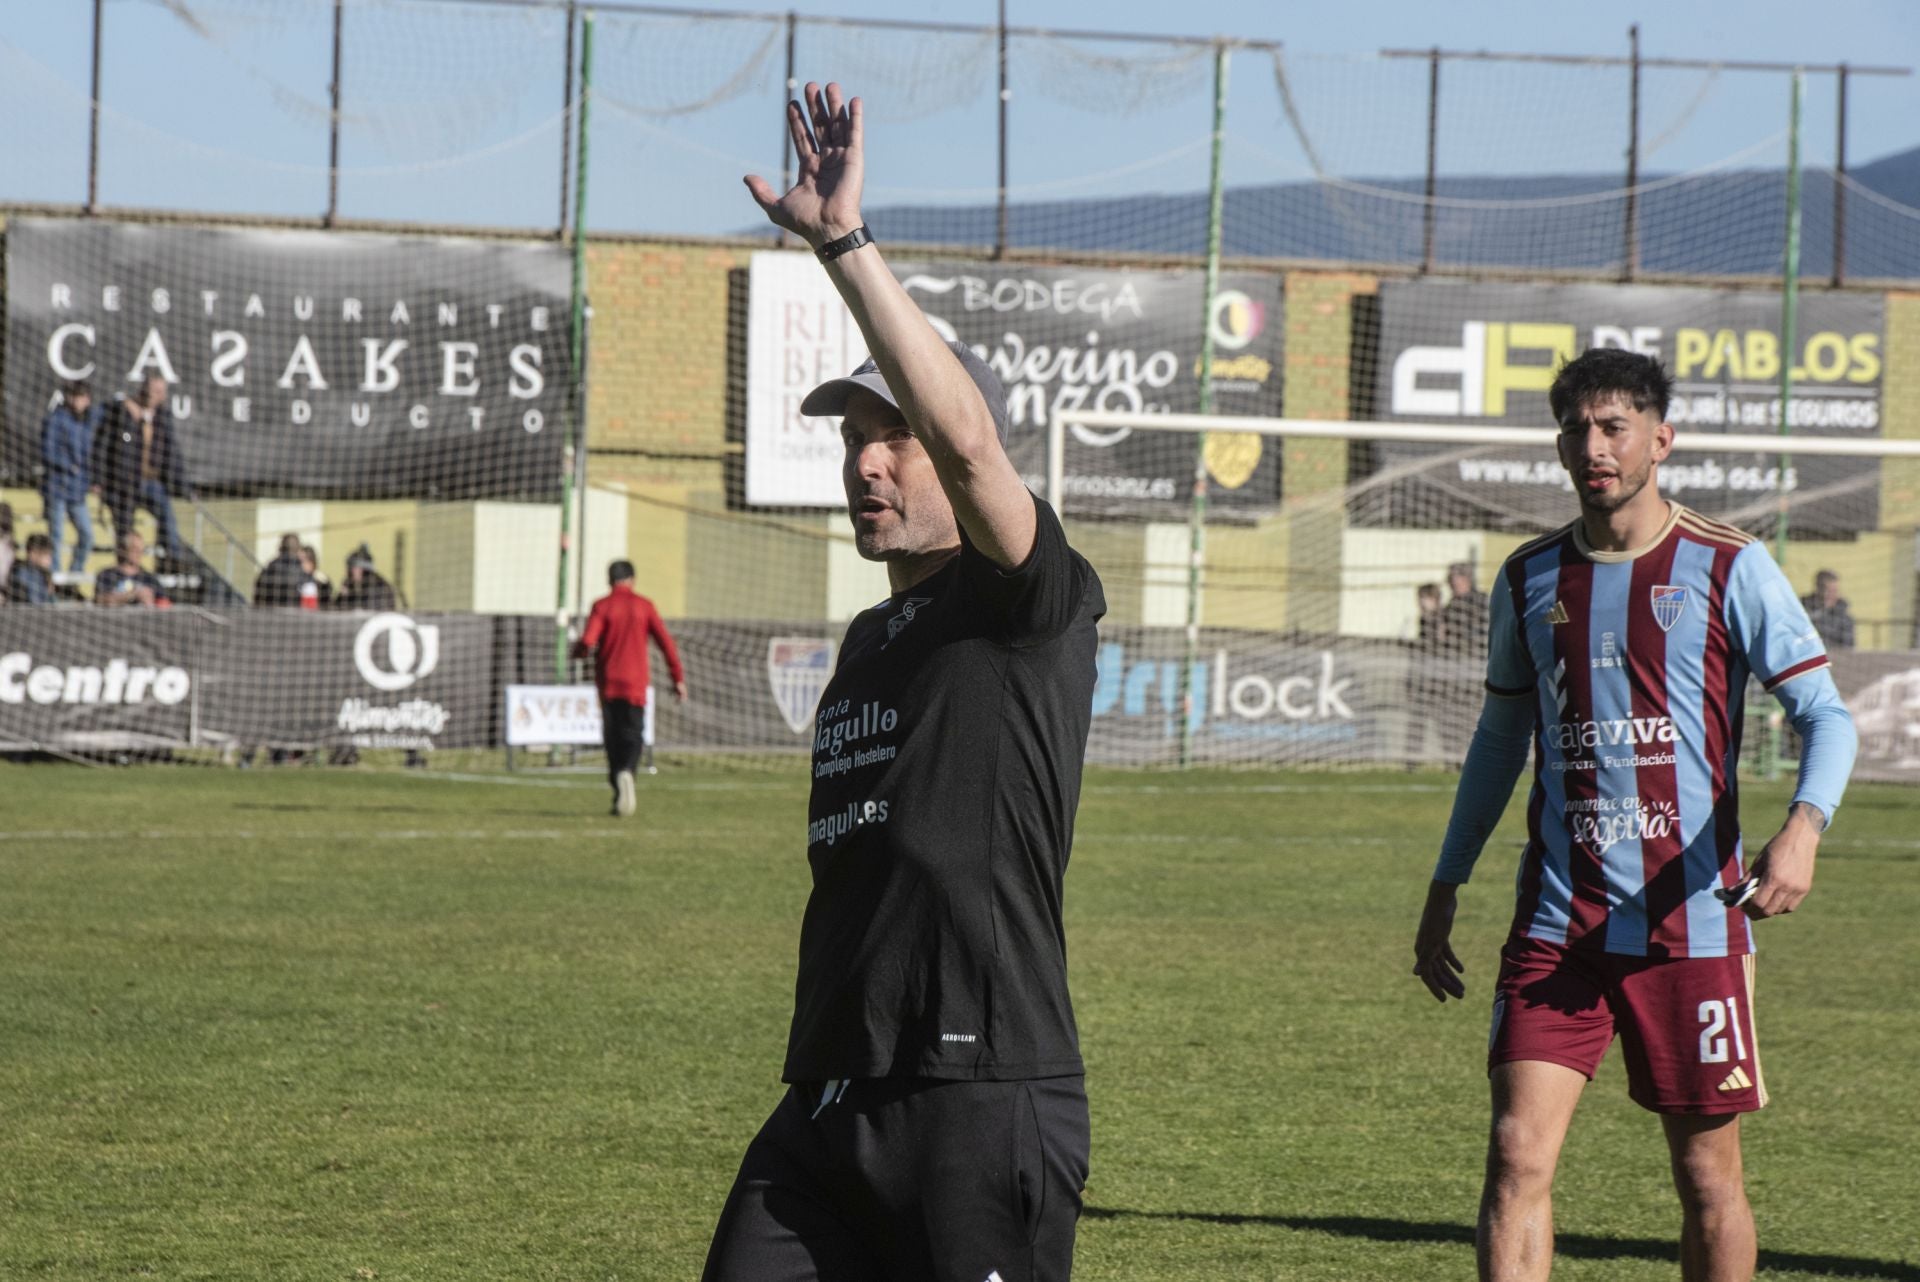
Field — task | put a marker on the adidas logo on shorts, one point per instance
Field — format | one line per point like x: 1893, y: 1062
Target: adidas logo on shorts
x: 1737, y: 1080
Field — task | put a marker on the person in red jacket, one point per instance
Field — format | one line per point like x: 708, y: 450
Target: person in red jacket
x: 616, y: 636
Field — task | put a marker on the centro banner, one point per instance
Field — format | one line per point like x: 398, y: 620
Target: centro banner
x: 83, y: 679
x: 1478, y: 354
x: 1059, y: 338
x: 337, y: 364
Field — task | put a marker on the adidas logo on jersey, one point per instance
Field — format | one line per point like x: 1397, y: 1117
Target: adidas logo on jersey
x: 1737, y: 1080
x: 1558, y: 614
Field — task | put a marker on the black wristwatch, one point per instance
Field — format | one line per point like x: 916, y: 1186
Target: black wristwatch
x: 851, y: 241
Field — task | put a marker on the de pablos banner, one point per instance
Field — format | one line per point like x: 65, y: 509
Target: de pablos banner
x: 332, y: 364
x: 1480, y: 354
x: 1060, y: 338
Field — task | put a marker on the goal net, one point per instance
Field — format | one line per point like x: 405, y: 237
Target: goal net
x: 1346, y: 623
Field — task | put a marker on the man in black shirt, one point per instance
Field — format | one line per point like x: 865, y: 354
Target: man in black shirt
x: 935, y: 1125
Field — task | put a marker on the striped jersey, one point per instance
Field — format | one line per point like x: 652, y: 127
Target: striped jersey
x: 1637, y: 663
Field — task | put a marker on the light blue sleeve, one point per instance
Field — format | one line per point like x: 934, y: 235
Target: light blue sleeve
x: 1770, y: 627
x: 1827, y: 738
x: 1509, y: 665
x: 1766, y: 621
x: 1495, y: 759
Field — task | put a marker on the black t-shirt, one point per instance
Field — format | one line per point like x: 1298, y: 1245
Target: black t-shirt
x: 946, y: 772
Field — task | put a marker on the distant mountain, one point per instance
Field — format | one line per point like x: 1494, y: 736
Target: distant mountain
x: 1726, y: 223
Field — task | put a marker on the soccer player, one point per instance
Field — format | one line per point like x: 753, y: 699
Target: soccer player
x: 618, y: 629
x: 935, y: 1124
x: 1621, y: 646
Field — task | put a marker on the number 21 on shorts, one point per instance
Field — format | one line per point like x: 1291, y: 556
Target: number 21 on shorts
x: 1716, y: 1019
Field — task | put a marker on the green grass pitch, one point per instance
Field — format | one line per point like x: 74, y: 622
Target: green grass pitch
x: 310, y: 1024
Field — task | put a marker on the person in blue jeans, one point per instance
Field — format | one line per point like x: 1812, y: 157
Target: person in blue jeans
x: 66, y: 447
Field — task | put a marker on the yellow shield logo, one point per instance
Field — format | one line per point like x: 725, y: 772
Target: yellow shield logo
x: 1232, y: 456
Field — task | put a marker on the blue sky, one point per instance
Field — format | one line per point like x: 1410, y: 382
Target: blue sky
x: 452, y: 110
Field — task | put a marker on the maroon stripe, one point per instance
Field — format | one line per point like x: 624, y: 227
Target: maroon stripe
x: 1527, y: 902
x: 1724, y: 710
x: 1587, y: 915
x: 1661, y: 863
x: 1805, y: 665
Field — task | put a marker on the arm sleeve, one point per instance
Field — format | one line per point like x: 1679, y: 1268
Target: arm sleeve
x: 1827, y: 739
x: 596, y: 624
x: 658, y: 626
x: 52, y: 451
x: 1766, y: 622
x: 1041, y: 596
x: 1495, y: 759
x: 1509, y: 665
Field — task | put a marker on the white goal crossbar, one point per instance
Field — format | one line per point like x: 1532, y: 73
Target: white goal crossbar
x: 1432, y: 434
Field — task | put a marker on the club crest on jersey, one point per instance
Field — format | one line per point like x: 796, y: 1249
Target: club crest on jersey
x: 898, y: 622
x: 1669, y: 603
x: 798, y: 669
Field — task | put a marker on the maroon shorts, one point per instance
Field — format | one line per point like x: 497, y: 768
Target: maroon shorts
x: 1685, y: 1024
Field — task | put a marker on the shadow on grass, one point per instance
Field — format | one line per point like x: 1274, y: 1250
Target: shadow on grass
x: 1586, y: 1246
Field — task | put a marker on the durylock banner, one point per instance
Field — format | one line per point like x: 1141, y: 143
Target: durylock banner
x: 1060, y: 338
x: 330, y: 364
x: 1477, y: 354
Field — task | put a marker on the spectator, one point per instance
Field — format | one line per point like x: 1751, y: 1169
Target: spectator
x: 66, y: 444
x: 364, y: 588
x: 1432, y: 623
x: 1464, y: 620
x: 616, y: 635
x: 137, y: 462
x: 30, y: 581
x: 1427, y: 686
x: 322, y: 585
x: 285, y: 582
x: 6, y: 541
x: 125, y: 582
x: 1829, y: 612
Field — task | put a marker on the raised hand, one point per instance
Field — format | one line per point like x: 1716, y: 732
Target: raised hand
x: 824, y: 202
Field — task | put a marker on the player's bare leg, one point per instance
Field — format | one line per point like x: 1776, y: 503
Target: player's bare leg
x: 1533, y: 1104
x: 1716, y: 1228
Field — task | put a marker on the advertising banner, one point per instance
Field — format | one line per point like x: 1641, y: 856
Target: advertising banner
x: 336, y: 364
x: 550, y: 715
x: 86, y: 680
x: 98, y: 680
x: 383, y: 680
x: 1479, y: 354
x: 1882, y: 690
x: 1059, y: 338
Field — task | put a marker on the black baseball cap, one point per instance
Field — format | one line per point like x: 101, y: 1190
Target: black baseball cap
x: 830, y: 398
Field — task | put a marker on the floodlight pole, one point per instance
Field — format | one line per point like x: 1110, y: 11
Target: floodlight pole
x: 1000, y: 197
x: 566, y: 121
x: 93, y: 128
x: 786, y: 138
x: 1840, y: 184
x: 1197, y: 519
x: 577, y: 347
x: 1433, y: 158
x: 1630, y: 252
x: 1789, y: 307
x: 333, y: 122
